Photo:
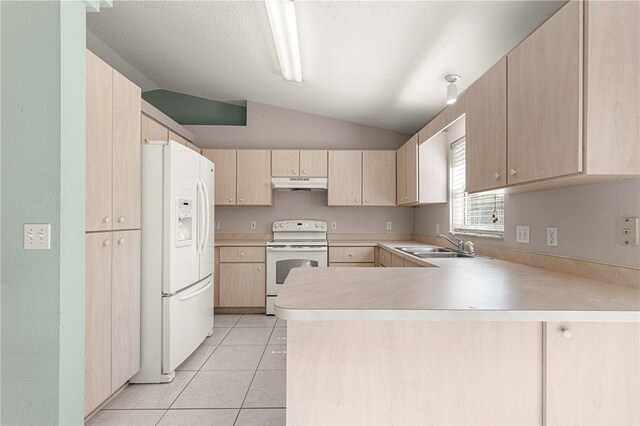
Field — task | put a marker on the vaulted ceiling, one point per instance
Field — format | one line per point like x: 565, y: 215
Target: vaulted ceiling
x: 371, y: 62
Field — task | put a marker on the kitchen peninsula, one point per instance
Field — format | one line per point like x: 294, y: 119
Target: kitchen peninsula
x: 466, y: 341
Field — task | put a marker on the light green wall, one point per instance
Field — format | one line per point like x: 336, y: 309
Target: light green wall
x: 42, y: 139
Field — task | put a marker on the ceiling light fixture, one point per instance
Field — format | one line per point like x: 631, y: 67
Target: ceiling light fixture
x: 282, y: 16
x: 452, y: 89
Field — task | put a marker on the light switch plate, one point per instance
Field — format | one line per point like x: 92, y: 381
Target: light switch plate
x: 37, y: 236
x: 628, y: 231
x: 253, y: 224
x: 552, y: 236
x: 217, y: 224
x: 389, y: 226
x: 522, y: 234
x: 334, y: 225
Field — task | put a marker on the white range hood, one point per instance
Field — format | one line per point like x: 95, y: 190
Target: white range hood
x: 299, y: 184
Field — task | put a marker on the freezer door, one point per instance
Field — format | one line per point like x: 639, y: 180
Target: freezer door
x: 181, y: 176
x: 207, y: 223
x: 187, y: 318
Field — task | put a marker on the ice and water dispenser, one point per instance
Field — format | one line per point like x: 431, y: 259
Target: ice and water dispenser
x: 184, y: 228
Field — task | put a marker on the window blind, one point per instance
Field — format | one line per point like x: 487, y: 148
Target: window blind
x: 481, y: 213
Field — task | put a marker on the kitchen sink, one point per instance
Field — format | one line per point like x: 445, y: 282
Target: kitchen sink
x: 432, y: 252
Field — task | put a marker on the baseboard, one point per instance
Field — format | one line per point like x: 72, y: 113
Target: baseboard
x: 234, y: 310
x: 104, y: 404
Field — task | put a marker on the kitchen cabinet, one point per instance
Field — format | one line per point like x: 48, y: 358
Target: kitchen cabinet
x: 193, y: 147
x: 592, y: 373
x: 313, y: 163
x: 253, y: 177
x: 242, y: 285
x: 225, y: 170
x: 545, y: 77
x: 242, y: 254
x: 407, y: 172
x: 486, y: 130
x: 384, y: 258
x: 176, y: 137
x: 285, y: 163
x: 126, y: 153
x: 409, y: 264
x: 396, y: 261
x: 433, y: 169
x: 152, y: 130
x: 351, y: 255
x: 345, y: 178
x: 351, y: 265
x: 125, y: 307
x: 378, y: 178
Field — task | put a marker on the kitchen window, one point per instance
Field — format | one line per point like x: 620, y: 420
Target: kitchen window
x: 479, y: 214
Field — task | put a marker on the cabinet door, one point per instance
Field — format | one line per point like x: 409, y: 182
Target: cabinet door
x: 153, y: 131
x: 125, y: 307
x: 411, y: 170
x: 486, y: 130
x: 592, y: 373
x: 176, y: 137
x: 396, y: 261
x: 242, y: 285
x: 99, y: 144
x: 254, y: 177
x: 194, y: 147
x: 126, y: 153
x: 401, y: 175
x: 345, y: 178
x: 225, y: 170
x: 97, y: 362
x: 285, y: 163
x: 544, y: 133
x: 378, y: 178
x: 313, y: 163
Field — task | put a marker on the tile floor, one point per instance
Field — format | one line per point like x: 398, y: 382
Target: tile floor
x: 236, y: 377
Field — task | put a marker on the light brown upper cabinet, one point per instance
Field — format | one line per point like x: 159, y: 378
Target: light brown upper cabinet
x: 126, y: 153
x: 184, y: 141
x: 486, y: 130
x: 407, y: 172
x: 285, y: 163
x: 153, y: 131
x: 378, y: 178
x: 433, y: 167
x: 254, y: 177
x: 313, y: 163
x: 345, y: 178
x: 544, y: 100
x: 225, y: 170
x: 113, y: 150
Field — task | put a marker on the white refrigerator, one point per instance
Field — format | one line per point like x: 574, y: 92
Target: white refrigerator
x: 177, y: 257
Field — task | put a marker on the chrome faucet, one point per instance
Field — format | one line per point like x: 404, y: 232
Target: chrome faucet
x: 461, y: 245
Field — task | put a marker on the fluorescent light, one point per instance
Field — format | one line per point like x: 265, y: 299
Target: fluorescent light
x: 282, y: 16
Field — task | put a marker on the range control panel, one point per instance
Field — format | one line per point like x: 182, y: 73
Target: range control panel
x: 299, y: 226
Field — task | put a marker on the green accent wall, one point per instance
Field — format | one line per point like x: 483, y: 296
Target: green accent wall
x: 187, y: 109
x: 42, y: 174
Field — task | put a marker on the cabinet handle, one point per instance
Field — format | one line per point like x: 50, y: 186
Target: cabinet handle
x: 121, y: 241
x: 106, y: 243
x: 496, y: 175
x: 106, y: 219
x: 121, y: 219
x: 512, y: 172
x: 566, y: 332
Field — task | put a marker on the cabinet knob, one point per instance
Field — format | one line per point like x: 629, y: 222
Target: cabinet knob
x: 293, y: 171
x: 350, y: 254
x: 512, y: 172
x: 566, y: 332
x: 357, y: 201
x: 366, y: 200
x: 106, y: 219
x: 106, y: 243
x: 259, y: 268
x: 121, y: 219
x: 304, y: 172
x: 241, y: 253
x: 230, y: 199
x: 496, y: 175
x: 121, y: 241
x: 240, y: 199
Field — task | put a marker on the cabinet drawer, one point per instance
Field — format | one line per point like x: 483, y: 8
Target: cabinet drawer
x: 351, y: 254
x: 242, y: 254
x: 353, y: 264
x: 384, y: 257
x: 242, y: 285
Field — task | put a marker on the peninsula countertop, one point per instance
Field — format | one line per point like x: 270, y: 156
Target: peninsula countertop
x: 454, y: 289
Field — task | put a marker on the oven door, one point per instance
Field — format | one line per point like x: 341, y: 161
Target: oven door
x: 281, y: 260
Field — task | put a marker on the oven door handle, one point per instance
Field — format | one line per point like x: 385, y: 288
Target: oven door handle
x: 297, y: 249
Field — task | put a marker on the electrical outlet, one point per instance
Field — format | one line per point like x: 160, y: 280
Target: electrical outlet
x: 334, y: 225
x: 628, y: 231
x: 253, y: 224
x: 552, y: 236
x: 522, y: 234
x: 389, y: 225
x: 37, y: 236
x: 217, y: 224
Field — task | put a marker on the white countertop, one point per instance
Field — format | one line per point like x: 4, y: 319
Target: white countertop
x: 455, y: 289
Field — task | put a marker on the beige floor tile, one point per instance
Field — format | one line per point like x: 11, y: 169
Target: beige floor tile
x: 152, y: 396
x: 281, y: 323
x: 279, y: 336
x: 274, y: 358
x: 268, y: 389
x: 234, y: 358
x: 219, y: 333
x: 225, y: 416
x: 225, y: 320
x: 126, y: 417
x: 248, y: 336
x: 262, y: 417
x: 215, y: 389
x: 256, y: 320
x: 197, y: 358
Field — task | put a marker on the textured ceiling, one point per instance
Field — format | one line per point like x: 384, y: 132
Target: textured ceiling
x: 371, y: 62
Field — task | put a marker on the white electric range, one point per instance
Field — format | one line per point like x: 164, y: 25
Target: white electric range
x: 296, y: 243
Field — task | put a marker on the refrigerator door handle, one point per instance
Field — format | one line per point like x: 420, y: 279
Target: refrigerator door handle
x: 207, y: 217
x: 197, y: 292
x: 201, y: 214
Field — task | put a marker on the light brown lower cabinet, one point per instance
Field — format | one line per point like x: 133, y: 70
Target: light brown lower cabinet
x: 242, y: 285
x: 353, y: 264
x: 396, y: 261
x: 351, y: 254
x: 383, y: 257
x: 112, y: 313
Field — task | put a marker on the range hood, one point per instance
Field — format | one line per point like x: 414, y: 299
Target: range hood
x: 299, y: 184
